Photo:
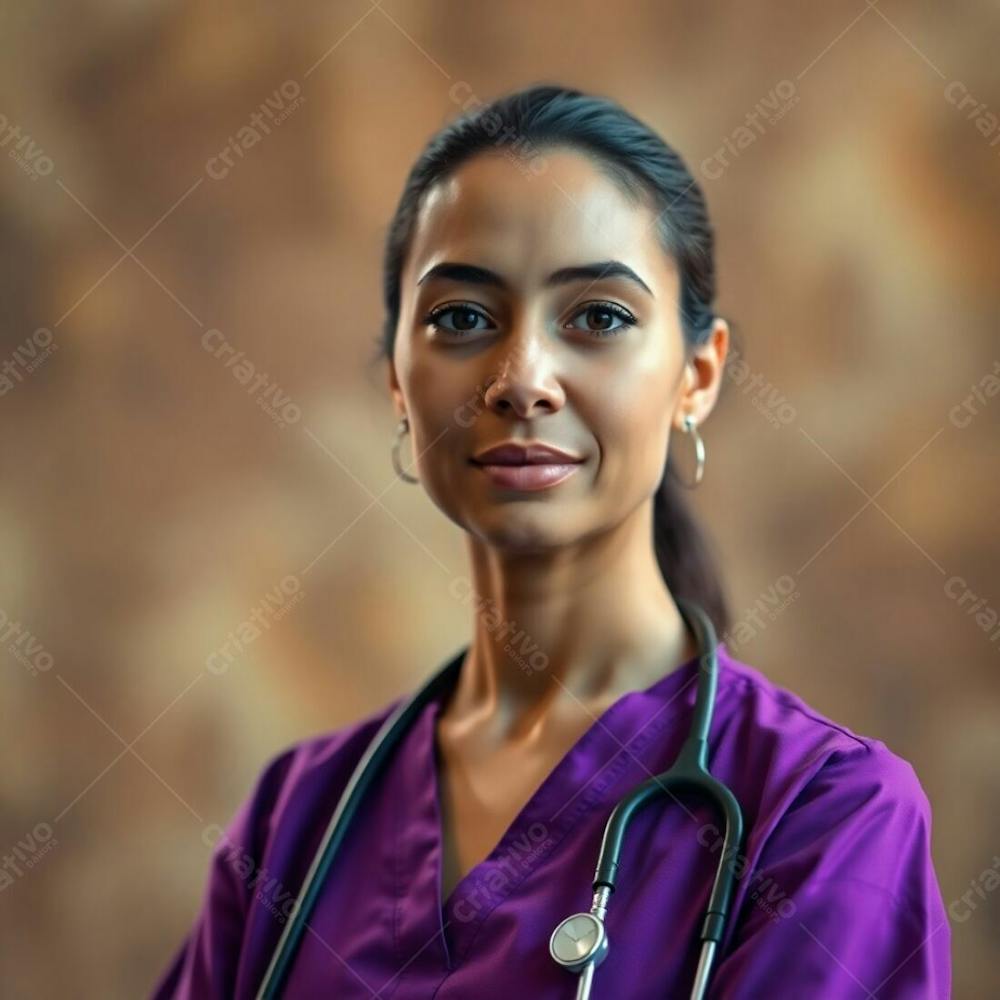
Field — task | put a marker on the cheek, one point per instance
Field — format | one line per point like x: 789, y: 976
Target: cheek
x: 442, y: 402
x: 633, y: 457
x: 632, y: 426
x: 443, y: 436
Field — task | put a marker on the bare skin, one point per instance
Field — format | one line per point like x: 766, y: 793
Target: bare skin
x: 573, y: 565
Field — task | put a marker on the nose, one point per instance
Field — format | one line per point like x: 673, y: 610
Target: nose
x: 525, y: 383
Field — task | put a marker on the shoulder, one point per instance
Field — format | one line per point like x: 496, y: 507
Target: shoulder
x: 797, y: 739
x: 811, y: 787
x: 820, y: 797
x: 773, y: 707
x: 301, y: 782
x: 331, y: 748
x: 836, y: 872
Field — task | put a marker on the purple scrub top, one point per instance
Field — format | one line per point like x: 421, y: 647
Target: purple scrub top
x: 837, y: 896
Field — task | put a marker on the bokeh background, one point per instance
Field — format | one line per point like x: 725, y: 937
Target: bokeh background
x: 151, y: 505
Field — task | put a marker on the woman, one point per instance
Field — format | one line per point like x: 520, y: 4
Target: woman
x: 549, y: 283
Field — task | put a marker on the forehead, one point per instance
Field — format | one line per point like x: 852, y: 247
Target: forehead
x: 493, y: 214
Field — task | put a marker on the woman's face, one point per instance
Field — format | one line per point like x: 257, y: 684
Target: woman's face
x: 515, y: 346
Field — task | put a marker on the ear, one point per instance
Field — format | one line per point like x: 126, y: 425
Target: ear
x: 394, y: 390
x: 701, y: 380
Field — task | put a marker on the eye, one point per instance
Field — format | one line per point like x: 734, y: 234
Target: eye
x: 462, y: 322
x: 604, y: 313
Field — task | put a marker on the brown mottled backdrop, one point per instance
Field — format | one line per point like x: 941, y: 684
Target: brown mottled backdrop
x: 150, y: 501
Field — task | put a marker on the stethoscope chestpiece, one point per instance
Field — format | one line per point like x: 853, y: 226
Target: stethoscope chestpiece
x: 578, y: 941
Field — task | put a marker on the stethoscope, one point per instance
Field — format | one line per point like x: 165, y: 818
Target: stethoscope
x: 580, y: 942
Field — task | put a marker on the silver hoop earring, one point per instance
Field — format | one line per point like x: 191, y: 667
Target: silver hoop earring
x: 401, y: 428
x: 690, y: 427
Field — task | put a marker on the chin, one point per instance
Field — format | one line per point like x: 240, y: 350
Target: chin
x: 523, y: 527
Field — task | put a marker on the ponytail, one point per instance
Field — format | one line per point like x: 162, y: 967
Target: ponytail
x: 683, y: 554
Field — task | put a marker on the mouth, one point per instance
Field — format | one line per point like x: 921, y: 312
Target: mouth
x: 525, y: 453
x: 531, y: 466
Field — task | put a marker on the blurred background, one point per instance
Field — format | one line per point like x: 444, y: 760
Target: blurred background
x: 198, y: 571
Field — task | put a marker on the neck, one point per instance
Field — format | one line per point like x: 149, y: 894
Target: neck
x: 575, y: 625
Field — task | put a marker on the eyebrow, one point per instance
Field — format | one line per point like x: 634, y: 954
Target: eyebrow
x: 470, y: 274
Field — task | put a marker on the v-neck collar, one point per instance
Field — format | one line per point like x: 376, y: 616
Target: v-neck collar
x: 429, y: 929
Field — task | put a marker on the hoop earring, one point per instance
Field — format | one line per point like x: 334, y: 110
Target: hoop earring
x: 401, y: 428
x: 690, y: 427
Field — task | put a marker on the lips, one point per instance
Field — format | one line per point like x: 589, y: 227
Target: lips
x: 514, y: 453
x: 526, y: 467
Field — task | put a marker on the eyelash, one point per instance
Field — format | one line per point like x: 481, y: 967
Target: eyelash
x: 628, y: 320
